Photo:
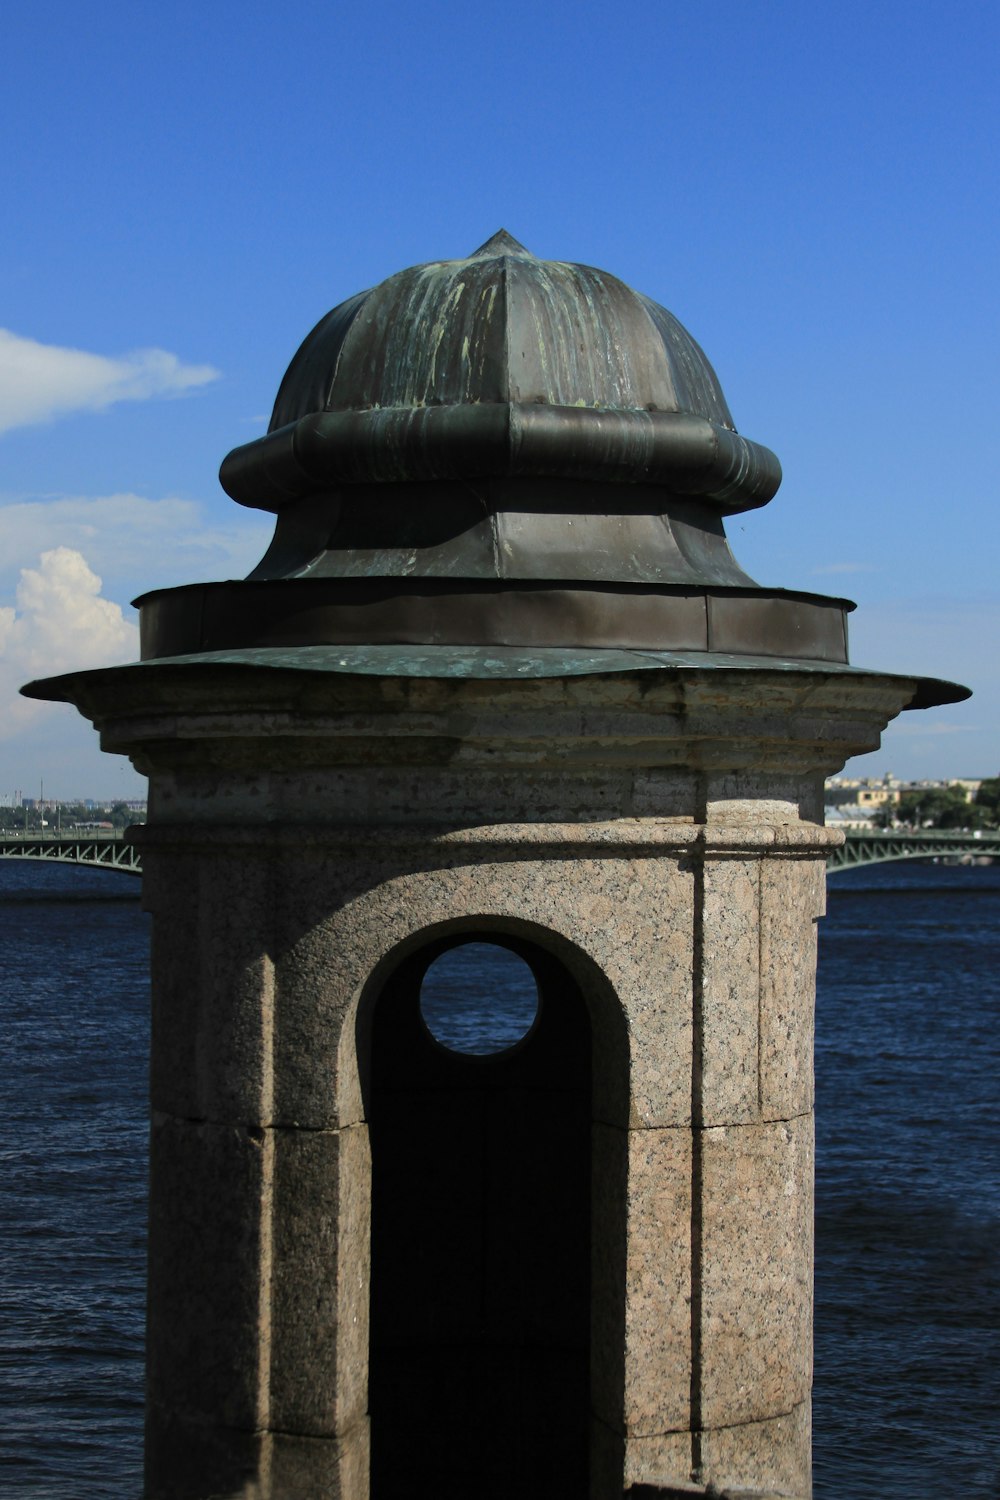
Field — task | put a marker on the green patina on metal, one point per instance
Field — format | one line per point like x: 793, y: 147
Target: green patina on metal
x: 499, y: 664
x: 501, y: 365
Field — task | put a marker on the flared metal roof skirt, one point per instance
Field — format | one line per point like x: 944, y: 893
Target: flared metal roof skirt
x: 493, y: 664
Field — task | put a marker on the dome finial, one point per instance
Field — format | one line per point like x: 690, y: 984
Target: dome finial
x: 501, y: 243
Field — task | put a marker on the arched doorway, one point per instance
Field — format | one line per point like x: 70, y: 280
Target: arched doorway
x: 480, y: 1314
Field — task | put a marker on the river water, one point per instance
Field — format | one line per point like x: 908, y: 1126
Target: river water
x: 907, y: 1390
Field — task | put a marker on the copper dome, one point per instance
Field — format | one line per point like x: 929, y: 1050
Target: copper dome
x: 501, y: 366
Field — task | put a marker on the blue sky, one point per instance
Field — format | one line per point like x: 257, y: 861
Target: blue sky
x: 810, y: 188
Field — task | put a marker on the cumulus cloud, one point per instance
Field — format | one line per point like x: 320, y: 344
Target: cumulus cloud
x: 135, y: 542
x: 59, y: 623
x: 39, y: 382
x: 56, y: 615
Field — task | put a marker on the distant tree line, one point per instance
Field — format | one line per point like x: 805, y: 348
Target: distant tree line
x: 944, y: 807
x: 13, y: 819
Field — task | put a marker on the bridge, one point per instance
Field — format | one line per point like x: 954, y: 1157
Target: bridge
x: 109, y: 850
x: 106, y: 849
x: 864, y: 846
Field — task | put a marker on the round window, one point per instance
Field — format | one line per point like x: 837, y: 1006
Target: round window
x: 479, y: 999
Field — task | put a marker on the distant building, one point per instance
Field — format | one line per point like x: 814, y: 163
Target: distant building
x: 872, y: 792
x: 849, y: 815
x: 843, y: 791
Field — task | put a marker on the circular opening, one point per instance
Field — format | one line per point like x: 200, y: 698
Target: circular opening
x: 479, y: 999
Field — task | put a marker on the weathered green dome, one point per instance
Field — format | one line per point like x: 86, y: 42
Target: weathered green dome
x: 501, y: 366
x: 500, y: 326
x: 500, y: 452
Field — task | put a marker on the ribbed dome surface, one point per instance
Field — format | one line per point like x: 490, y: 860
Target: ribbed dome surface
x: 500, y: 366
x: 500, y: 326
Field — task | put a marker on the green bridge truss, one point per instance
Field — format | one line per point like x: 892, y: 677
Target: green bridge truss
x: 864, y: 847
x: 107, y: 851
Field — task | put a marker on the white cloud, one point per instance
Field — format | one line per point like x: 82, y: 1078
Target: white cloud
x: 60, y: 623
x: 135, y: 542
x: 56, y: 616
x: 39, y: 382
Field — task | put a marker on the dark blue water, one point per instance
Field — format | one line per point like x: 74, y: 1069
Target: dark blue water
x: 907, y: 1394
x: 908, y: 1249
x: 74, y: 956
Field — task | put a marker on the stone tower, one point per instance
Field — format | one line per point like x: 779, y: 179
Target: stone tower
x: 498, y: 679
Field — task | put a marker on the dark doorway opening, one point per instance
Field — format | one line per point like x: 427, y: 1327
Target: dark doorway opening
x: 480, y: 1316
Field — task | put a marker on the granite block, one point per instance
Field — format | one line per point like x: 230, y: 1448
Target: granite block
x: 318, y: 1327
x: 641, y: 1376
x: 187, y: 1460
x: 210, y: 1189
x: 750, y: 797
x: 609, y: 1273
x: 792, y: 898
x: 212, y: 989
x: 730, y: 988
x: 306, y: 1468
x: 767, y: 1458
x: 756, y: 1281
x: 663, y: 1460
